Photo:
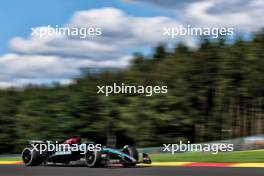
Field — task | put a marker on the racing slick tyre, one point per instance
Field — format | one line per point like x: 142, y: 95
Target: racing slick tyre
x: 93, y: 158
x: 31, y: 157
x: 131, y: 151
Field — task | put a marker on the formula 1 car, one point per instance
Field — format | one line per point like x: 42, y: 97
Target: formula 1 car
x: 128, y: 156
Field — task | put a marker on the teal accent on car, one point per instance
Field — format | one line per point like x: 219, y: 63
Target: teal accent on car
x: 118, y: 152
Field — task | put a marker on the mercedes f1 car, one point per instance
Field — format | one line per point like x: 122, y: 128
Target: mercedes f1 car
x: 128, y: 156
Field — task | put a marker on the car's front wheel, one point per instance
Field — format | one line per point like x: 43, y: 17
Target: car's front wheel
x: 93, y: 158
x: 131, y: 151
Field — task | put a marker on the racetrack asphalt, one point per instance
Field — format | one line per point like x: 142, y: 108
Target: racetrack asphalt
x: 18, y: 170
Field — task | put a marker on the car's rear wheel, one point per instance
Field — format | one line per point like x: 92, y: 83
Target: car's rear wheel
x: 93, y: 158
x: 31, y: 157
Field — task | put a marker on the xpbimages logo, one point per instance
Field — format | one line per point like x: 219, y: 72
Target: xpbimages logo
x: 188, y: 147
x: 79, y: 32
x: 131, y: 89
x: 58, y: 147
x: 188, y: 30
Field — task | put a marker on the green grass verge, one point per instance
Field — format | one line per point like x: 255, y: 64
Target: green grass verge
x: 10, y: 158
x: 240, y: 156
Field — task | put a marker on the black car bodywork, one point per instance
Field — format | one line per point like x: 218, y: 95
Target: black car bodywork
x: 128, y: 156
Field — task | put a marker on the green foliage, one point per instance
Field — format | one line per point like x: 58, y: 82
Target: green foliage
x: 214, y: 92
x: 250, y: 156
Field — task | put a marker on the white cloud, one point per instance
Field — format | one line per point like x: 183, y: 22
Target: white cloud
x: 247, y: 18
x: 60, y: 58
x: 120, y: 31
x: 58, y: 45
x: 243, y: 15
x: 19, y: 70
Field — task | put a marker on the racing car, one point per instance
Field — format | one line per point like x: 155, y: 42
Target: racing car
x: 127, y: 156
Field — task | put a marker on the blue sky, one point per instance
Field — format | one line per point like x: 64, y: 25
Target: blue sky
x: 128, y: 26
